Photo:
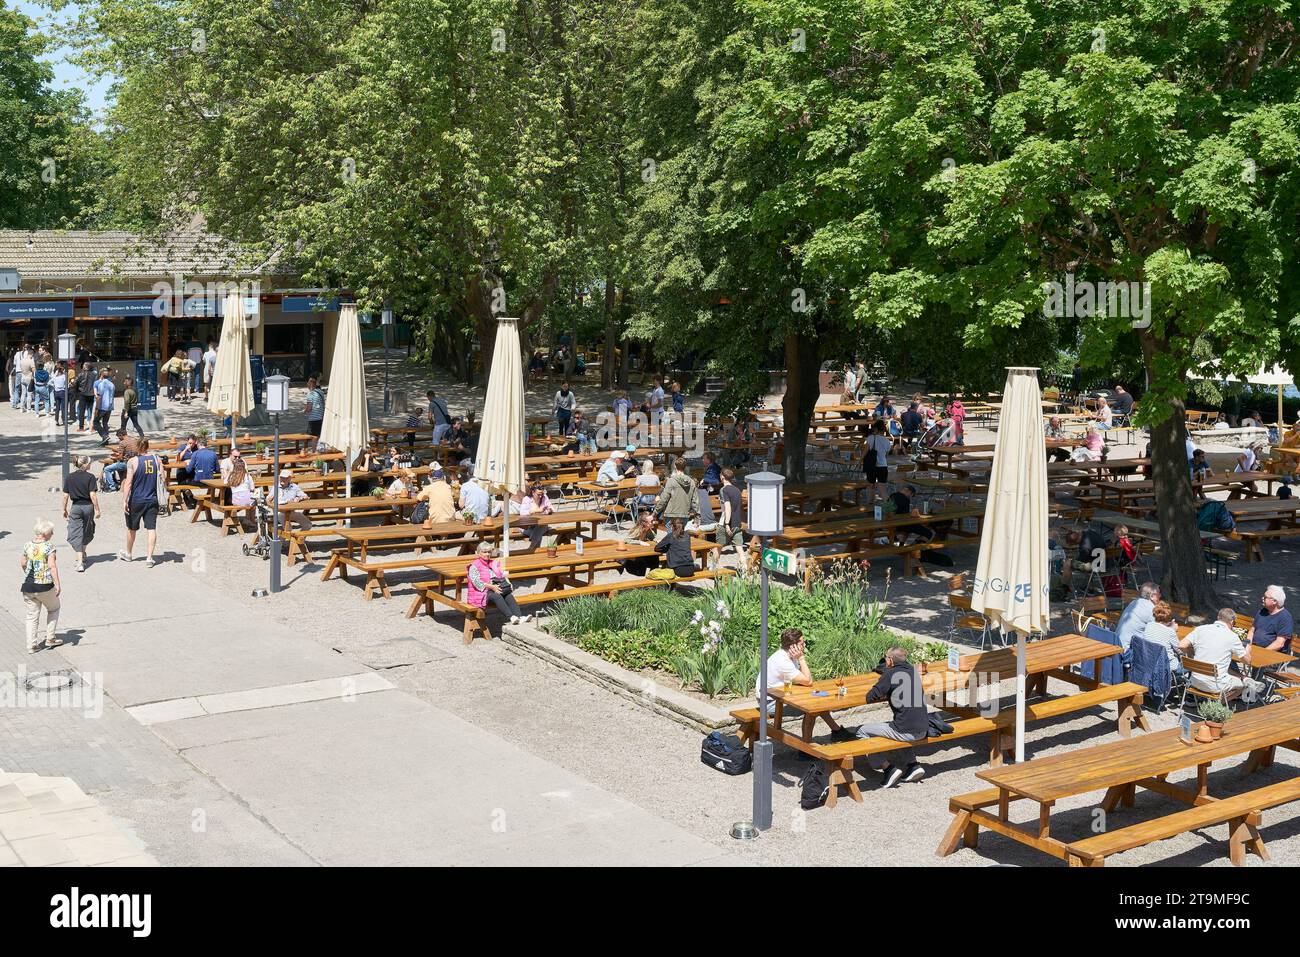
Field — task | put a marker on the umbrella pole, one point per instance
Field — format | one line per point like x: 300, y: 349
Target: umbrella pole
x: 1020, y: 697
x: 505, y: 525
x: 1281, y: 427
x: 347, y: 465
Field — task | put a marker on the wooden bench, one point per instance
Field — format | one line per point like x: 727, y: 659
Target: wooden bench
x: 1251, y: 539
x: 1241, y: 813
x: 840, y: 755
x: 911, y: 555
x: 476, y: 618
x: 376, y: 572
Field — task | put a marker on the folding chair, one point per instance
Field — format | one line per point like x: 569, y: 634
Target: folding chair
x: 1205, y: 669
x: 965, y: 618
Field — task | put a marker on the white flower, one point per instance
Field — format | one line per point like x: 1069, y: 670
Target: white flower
x: 697, y: 617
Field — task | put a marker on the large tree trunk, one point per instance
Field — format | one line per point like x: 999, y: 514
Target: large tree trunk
x: 625, y: 363
x: 1185, y: 579
x: 607, y: 373
x: 802, y: 387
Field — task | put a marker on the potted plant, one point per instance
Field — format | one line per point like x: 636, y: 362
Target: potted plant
x: 931, y: 652
x: 467, y: 516
x: 551, y: 544
x: 1214, y: 715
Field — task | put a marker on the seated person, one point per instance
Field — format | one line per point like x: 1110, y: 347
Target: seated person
x: 900, y: 685
x: 790, y: 663
x: 1273, y: 625
x: 203, y: 463
x: 287, y: 493
x: 642, y: 533
x: 712, y: 477
x: 127, y: 448
x: 1160, y: 630
x: 647, y: 484
x: 676, y: 549
x: 901, y: 500
x: 581, y: 432
x: 911, y: 423
x: 1216, y: 644
x: 474, y: 498
x: 614, y: 469
x: 1200, y: 468
x: 437, y: 493
x: 1054, y: 430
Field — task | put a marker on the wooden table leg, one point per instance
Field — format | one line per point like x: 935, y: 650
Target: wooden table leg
x: 962, y: 830
x: 1045, y: 819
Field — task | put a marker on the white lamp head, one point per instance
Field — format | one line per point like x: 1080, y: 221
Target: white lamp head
x: 277, y: 393
x: 766, y: 510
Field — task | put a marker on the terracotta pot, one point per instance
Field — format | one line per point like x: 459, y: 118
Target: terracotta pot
x: 1203, y: 734
x: 1216, y: 729
x: 553, y: 551
x: 622, y: 545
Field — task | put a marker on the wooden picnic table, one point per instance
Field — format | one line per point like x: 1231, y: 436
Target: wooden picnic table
x: 559, y: 571
x: 854, y: 530
x: 1123, y: 490
x: 358, y: 542
x: 595, y: 458
x: 1119, y: 768
x: 286, y: 460
x: 1277, y: 512
x: 1050, y: 657
x: 828, y: 495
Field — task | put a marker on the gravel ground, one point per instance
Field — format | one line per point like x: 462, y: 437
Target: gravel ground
x: 617, y: 745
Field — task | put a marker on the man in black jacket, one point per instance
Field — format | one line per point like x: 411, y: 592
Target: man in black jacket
x: 900, y: 685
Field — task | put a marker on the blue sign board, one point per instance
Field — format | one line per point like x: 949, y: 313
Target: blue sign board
x: 107, y: 308
x: 202, y: 306
x: 308, y: 304
x: 146, y: 383
x: 36, y: 310
x: 259, y: 378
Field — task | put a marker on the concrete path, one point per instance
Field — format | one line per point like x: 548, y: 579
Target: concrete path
x: 224, y: 737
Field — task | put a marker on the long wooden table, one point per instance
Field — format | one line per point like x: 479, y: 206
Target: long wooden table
x: 854, y: 531
x: 1119, y: 768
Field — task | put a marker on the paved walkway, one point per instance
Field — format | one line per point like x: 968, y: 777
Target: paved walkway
x: 226, y: 737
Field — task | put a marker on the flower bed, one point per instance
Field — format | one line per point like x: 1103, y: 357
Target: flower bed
x: 710, y: 641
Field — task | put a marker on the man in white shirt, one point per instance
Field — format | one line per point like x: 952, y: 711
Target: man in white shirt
x: 209, y: 368
x: 790, y: 663
x: 474, y: 496
x: 655, y: 400
x: 611, y: 470
x: 1216, y: 644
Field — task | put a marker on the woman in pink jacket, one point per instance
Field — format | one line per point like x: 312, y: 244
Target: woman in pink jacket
x: 488, y: 582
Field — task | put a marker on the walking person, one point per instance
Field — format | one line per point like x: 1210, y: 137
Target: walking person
x: 565, y: 401
x: 27, y: 364
x: 130, y: 406
x: 314, y: 407
x: 80, y: 508
x: 104, y: 392
x: 41, y: 377
x: 209, y: 368
x: 85, y: 395
x: 41, y: 586
x: 14, y: 378
x: 144, y: 475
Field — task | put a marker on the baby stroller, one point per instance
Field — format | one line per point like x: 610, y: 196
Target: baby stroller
x: 262, y: 546
x: 937, y: 434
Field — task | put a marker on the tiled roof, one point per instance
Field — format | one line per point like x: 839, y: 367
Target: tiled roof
x: 74, y: 254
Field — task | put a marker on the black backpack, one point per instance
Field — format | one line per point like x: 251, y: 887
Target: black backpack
x: 725, y: 753
x: 813, y: 788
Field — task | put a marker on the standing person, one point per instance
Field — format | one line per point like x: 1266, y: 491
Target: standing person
x: 80, y: 508
x: 680, y: 495
x: 173, y: 368
x: 678, y: 400
x: 14, y: 378
x: 104, y: 392
x: 438, y: 414
x: 144, y: 474
x: 130, y: 406
x: 565, y: 402
x: 622, y: 409
x: 27, y: 364
x: 41, y: 377
x: 488, y: 581
x: 41, y: 586
x: 59, y: 389
x: 900, y: 685
x: 209, y: 368
x: 876, y: 460
x: 655, y: 403
x: 728, y: 531
x: 314, y: 407
x: 85, y: 395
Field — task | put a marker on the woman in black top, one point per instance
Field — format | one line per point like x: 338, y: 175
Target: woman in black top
x: 80, y: 508
x: 676, y: 549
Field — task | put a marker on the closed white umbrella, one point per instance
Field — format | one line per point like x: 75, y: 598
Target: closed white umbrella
x: 232, y: 380
x: 500, y: 460
x: 1011, y: 578
x: 347, y: 418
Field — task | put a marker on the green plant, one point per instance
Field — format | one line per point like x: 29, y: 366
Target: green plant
x: 1215, y: 712
x: 933, y: 651
x: 549, y: 541
x: 634, y: 649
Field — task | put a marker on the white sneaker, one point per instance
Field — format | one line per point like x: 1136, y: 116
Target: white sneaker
x: 78, y: 567
x: 514, y: 619
x: 149, y: 562
x: 123, y: 556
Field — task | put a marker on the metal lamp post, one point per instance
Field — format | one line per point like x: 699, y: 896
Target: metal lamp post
x: 765, y: 519
x: 67, y: 352
x: 277, y: 401
x: 386, y: 320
